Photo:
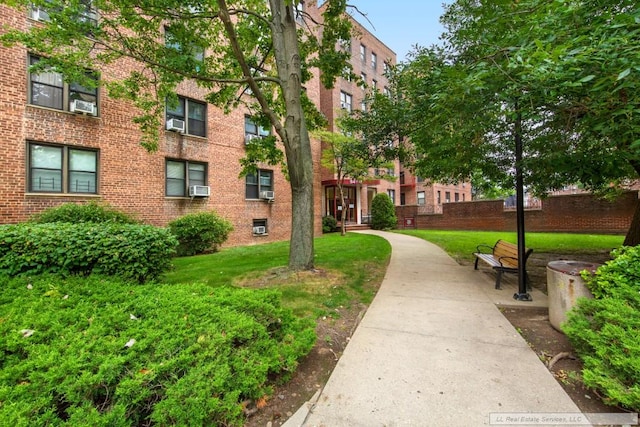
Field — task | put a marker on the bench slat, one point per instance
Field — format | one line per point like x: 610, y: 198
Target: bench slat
x: 503, y: 259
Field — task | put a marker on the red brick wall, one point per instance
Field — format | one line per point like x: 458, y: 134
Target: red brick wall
x: 581, y: 213
x: 130, y: 178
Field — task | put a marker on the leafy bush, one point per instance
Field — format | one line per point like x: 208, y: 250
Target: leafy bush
x: 100, y: 352
x: 329, y: 224
x: 200, y: 232
x: 137, y: 252
x: 604, y: 330
x: 88, y: 212
x: 383, y: 212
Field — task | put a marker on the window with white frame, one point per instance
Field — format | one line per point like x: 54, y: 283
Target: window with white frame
x: 86, y: 12
x: 62, y: 169
x: 193, y: 50
x: 261, y: 180
x: 253, y: 130
x: 392, y: 195
x: 363, y: 54
x: 447, y: 197
x: 374, y: 61
x: 47, y: 88
x: 363, y: 81
x: 346, y: 101
x: 181, y: 174
x: 192, y: 113
x: 421, y: 198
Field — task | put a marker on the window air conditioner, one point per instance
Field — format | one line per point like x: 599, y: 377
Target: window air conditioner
x: 80, y: 106
x: 199, y: 191
x: 175, y: 125
x: 250, y: 137
x: 260, y: 230
x: 267, y: 195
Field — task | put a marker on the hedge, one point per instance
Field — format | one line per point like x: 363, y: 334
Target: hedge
x: 604, y: 330
x: 101, y: 352
x: 137, y: 252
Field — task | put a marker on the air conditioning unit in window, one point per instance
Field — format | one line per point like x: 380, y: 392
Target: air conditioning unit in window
x: 267, y: 195
x: 260, y: 230
x: 85, y: 107
x: 250, y: 137
x: 175, y: 125
x: 199, y: 191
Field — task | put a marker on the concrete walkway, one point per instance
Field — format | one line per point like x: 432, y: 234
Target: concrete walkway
x: 433, y: 350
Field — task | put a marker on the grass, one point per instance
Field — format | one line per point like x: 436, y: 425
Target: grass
x: 348, y: 269
x: 461, y: 244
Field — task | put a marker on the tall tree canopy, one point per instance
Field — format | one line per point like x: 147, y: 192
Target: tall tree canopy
x: 253, y: 52
x: 570, y: 69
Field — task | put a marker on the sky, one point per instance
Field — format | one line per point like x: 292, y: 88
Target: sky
x: 401, y: 24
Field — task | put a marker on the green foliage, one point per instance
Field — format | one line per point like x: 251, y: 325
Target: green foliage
x: 136, y: 252
x: 95, y: 351
x: 604, y: 330
x: 88, y: 212
x: 200, y: 232
x: 329, y: 224
x: 383, y: 213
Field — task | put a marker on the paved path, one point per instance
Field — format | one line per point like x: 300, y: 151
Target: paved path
x: 432, y: 350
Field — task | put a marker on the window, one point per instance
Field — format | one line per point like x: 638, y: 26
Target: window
x: 260, y: 181
x: 194, y: 51
x: 196, y: 113
x: 48, y: 89
x: 346, y: 100
x: 252, y: 130
x: 392, y: 195
x: 447, y: 197
x: 421, y: 198
x: 260, y: 226
x: 387, y: 92
x: 374, y: 84
x: 86, y: 13
x: 363, y: 104
x: 62, y: 169
x: 181, y: 174
x: 374, y: 61
x: 456, y: 197
x: 363, y: 81
x: 345, y: 45
x: 363, y: 53
x: 386, y: 68
x: 439, y: 197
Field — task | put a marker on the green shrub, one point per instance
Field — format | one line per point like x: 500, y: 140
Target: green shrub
x: 137, y: 252
x: 100, y: 352
x: 88, y: 212
x: 200, y: 232
x: 329, y: 224
x: 383, y: 213
x: 604, y: 330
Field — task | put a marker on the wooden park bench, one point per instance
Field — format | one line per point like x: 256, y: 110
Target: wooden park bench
x: 503, y: 257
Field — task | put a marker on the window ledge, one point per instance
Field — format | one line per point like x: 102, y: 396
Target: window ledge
x: 78, y: 195
x: 70, y: 113
x: 204, y: 138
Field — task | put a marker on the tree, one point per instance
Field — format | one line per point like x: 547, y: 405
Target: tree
x: 351, y: 158
x: 383, y: 212
x: 562, y: 75
x: 242, y: 52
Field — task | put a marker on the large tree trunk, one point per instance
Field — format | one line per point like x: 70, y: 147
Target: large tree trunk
x: 295, y: 135
x: 633, y: 234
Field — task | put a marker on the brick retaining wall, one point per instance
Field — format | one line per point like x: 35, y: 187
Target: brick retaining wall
x: 579, y: 213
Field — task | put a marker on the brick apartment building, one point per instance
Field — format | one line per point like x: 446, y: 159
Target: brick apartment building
x: 50, y: 153
x: 63, y: 143
x: 370, y: 59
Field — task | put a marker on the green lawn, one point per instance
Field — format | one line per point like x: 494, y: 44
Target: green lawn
x: 349, y: 268
x: 461, y: 244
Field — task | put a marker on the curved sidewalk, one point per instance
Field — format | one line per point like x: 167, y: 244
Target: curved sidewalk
x: 432, y: 350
